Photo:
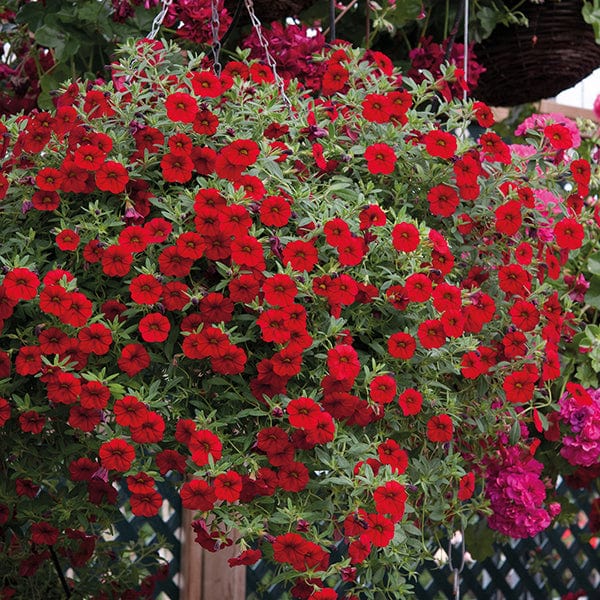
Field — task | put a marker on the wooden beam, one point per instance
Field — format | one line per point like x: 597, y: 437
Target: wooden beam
x: 207, y: 575
x: 549, y: 106
x: 190, y: 587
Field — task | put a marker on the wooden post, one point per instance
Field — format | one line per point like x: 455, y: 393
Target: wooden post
x: 207, y: 575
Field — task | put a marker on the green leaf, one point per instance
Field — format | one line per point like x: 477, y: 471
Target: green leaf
x: 479, y: 540
x: 592, y: 296
x: 593, y: 264
x: 591, y: 15
x: 515, y: 432
x: 49, y: 37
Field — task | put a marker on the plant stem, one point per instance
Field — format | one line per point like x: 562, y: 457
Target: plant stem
x: 459, y: 14
x: 61, y: 575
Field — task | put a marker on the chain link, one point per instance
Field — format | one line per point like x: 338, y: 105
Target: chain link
x: 158, y: 20
x: 215, y: 25
x: 256, y: 24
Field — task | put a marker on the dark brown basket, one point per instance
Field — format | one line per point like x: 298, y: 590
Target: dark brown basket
x: 526, y: 64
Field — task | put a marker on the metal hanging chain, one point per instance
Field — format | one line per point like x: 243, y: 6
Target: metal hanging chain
x: 457, y: 569
x: 215, y: 25
x: 256, y: 24
x: 158, y: 20
x: 466, y: 49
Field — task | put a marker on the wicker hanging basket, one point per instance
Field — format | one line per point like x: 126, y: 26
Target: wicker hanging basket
x: 526, y: 64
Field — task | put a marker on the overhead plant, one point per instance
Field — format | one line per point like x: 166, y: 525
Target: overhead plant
x: 330, y: 324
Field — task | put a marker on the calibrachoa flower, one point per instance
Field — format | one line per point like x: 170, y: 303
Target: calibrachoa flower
x: 313, y: 324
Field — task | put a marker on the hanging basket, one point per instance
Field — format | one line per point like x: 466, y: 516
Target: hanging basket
x: 526, y: 64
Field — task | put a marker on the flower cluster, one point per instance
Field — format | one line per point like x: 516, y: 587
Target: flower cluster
x: 580, y: 411
x: 203, y: 288
x: 191, y: 19
x: 431, y: 56
x: 517, y: 494
x: 294, y: 48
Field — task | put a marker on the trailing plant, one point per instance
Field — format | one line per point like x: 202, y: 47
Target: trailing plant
x: 329, y: 323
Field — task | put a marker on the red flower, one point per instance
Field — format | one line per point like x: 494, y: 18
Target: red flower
x: 380, y: 158
x: 275, y: 211
x: 146, y: 504
x: 371, y: 216
x: 205, y: 443
x: 466, y: 486
x: 173, y: 264
x: 241, y: 152
x: 133, y: 359
x: 181, y: 107
x: 116, y: 455
x: 170, y: 460
x: 95, y: 339
x: 4, y: 411
x: 390, y: 499
x: 410, y: 402
x: 89, y: 157
x: 520, y: 385
x: 63, y: 388
x: 82, y: 469
x: 440, y: 143
x: 231, y: 360
x: 29, y: 360
x: 579, y: 394
x: 440, y: 428
x: 380, y: 530
x: 494, y: 148
x: 20, y: 284
x: 247, y: 557
x: 84, y: 419
x: 559, y: 136
x: 513, y: 279
x: 569, y: 234
x: 140, y: 483
x: 483, y: 114
x: 334, y: 79
x: 418, y: 287
x: 44, y: 533
x: 390, y: 453
x: 42, y: 200
x: 342, y: 362
x: 49, y: 179
x: 145, y: 289
x: 303, y: 413
x: 431, y: 334
x: 111, y: 177
x: 376, y: 108
x: 206, y: 84
x: 197, y: 494
x: 508, y: 217
x: 247, y: 251
x: 32, y: 422
x: 94, y: 395
x: 300, y: 255
x: 405, y: 237
x: 293, y: 476
x: 382, y: 389
x: 228, y: 486
x: 524, y: 315
x: 279, y: 290
x: 176, y: 168
x: 116, y: 261
x: 149, y: 429
x: 154, y: 327
x: 134, y: 238
x: 443, y: 200
x: 358, y: 550
x: 401, y: 345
